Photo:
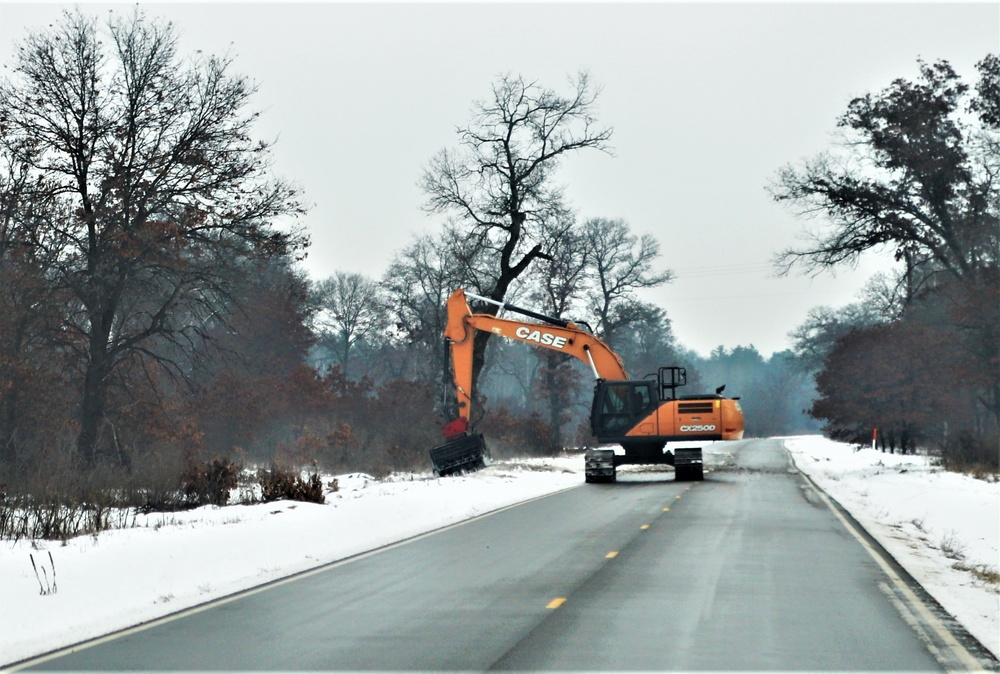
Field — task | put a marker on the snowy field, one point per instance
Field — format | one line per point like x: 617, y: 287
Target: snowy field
x: 931, y: 521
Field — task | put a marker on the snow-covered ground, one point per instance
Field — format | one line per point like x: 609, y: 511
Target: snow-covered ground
x: 929, y: 520
x: 172, y: 561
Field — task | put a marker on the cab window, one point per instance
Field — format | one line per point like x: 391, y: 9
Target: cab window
x: 642, y: 397
x: 615, y: 407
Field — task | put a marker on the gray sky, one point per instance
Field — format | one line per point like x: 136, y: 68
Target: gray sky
x: 707, y: 101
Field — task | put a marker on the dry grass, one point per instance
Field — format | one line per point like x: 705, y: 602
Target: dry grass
x: 983, y: 573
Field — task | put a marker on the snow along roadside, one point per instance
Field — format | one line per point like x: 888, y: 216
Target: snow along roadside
x: 172, y: 561
x: 941, y: 527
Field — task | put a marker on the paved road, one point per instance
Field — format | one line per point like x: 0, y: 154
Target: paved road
x: 748, y: 570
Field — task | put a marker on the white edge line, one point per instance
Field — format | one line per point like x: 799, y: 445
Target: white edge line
x: 958, y: 650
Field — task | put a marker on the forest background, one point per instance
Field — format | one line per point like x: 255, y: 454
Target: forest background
x: 157, y: 332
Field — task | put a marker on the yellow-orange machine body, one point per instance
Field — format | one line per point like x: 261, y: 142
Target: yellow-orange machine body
x: 641, y: 415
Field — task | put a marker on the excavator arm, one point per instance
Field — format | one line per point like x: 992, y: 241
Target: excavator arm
x: 562, y: 336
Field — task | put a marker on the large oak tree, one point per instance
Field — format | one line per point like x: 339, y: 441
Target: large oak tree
x: 145, y: 190
x: 499, y: 184
x: 917, y: 172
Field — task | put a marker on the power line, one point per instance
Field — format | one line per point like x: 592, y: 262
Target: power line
x: 721, y: 270
x: 732, y: 297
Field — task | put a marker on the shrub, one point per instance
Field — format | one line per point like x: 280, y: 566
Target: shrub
x: 972, y: 454
x: 278, y: 484
x: 509, y: 435
x: 210, y: 482
x: 61, y: 503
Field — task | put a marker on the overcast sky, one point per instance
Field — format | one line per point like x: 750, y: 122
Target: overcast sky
x: 707, y: 102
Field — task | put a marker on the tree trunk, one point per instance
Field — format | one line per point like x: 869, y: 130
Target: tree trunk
x: 482, y: 337
x: 508, y: 274
x: 552, y: 361
x: 91, y: 413
x: 9, y: 409
x: 94, y: 398
x: 8, y: 424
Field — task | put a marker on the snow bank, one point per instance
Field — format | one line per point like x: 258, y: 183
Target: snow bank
x: 172, y: 561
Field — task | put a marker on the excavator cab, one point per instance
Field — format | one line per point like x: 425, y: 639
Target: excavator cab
x: 619, y: 405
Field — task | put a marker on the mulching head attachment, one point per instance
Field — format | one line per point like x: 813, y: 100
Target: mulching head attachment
x: 466, y: 454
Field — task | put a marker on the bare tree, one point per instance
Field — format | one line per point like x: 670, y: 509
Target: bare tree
x: 498, y: 186
x: 349, y: 310
x: 418, y: 282
x: 559, y: 286
x: 914, y: 173
x: 620, y: 263
x: 146, y: 181
x: 649, y: 343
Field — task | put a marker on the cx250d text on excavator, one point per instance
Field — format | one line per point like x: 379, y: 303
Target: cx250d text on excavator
x: 640, y: 415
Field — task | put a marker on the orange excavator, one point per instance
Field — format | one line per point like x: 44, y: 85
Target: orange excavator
x: 640, y: 415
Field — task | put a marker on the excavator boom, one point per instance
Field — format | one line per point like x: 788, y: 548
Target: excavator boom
x: 562, y: 336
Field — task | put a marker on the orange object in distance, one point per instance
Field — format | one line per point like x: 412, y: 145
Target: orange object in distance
x: 568, y: 339
x: 638, y: 414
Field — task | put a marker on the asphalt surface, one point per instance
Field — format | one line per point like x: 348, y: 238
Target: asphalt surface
x: 748, y: 570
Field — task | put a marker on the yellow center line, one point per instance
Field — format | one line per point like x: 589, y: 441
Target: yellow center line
x: 556, y: 603
x: 612, y: 554
x: 666, y: 510
x: 644, y: 526
x: 678, y: 496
